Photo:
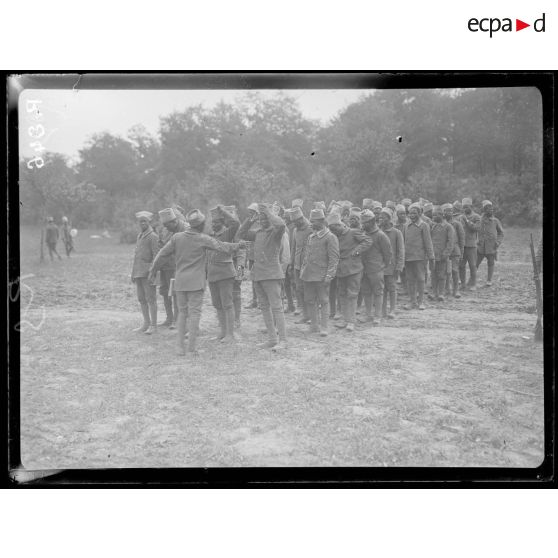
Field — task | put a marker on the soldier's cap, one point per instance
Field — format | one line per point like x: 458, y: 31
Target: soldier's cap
x: 428, y: 206
x: 436, y: 208
x: 346, y: 204
x: 390, y: 204
x: 320, y: 205
x: 317, y: 213
x: 447, y: 206
x: 355, y: 210
x: 51, y: 219
x: 195, y: 217
x: 367, y: 202
x: 215, y: 212
x: 399, y: 207
x: 456, y: 204
x: 253, y: 207
x: 336, y: 208
x: 415, y: 205
x: 388, y: 212
x: 334, y: 219
x: 366, y: 216
x: 147, y: 214
x: 230, y: 209
x: 467, y: 201
x: 296, y: 213
x: 64, y: 219
x: 376, y: 205
x: 485, y: 203
x: 166, y: 215
x: 297, y: 203
x: 406, y: 201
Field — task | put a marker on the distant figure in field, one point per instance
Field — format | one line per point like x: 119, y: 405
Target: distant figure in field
x: 67, y: 237
x: 52, y: 236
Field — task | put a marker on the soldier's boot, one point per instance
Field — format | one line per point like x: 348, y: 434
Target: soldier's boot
x: 181, y: 328
x: 271, y: 331
x: 222, y: 325
x: 153, y: 314
x: 313, y: 315
x: 146, y: 319
x: 351, y: 306
x: 281, y: 325
x: 378, y: 303
x: 237, y: 303
x: 441, y: 288
x: 392, y: 303
x: 434, y: 294
x: 193, y: 330
x: 384, y: 307
x: 455, y: 279
x: 341, y: 324
x: 490, y: 274
x: 305, y: 315
x: 229, y: 326
x: 324, y: 318
x: 447, y: 290
x: 168, y: 310
x: 368, y: 306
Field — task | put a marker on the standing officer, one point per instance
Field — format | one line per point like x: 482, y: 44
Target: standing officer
x: 318, y: 269
x: 189, y: 249
x: 147, y: 246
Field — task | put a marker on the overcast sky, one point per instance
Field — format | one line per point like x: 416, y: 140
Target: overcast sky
x: 71, y: 117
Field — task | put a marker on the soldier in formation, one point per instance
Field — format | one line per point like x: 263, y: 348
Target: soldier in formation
x: 333, y: 256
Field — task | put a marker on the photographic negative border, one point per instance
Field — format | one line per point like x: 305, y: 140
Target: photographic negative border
x: 543, y: 475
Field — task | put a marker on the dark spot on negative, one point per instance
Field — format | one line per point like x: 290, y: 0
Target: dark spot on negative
x: 313, y: 153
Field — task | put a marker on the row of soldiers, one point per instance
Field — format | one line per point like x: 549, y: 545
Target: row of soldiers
x: 340, y: 256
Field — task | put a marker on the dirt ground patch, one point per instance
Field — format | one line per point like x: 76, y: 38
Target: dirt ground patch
x: 460, y: 384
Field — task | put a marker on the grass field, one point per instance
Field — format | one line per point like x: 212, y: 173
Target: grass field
x: 460, y: 384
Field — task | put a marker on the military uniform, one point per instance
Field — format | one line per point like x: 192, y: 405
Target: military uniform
x: 321, y: 258
x: 471, y: 227
x: 396, y: 266
x: 167, y: 271
x: 491, y: 235
x: 300, y: 237
x: 375, y: 261
x: 147, y: 247
x: 456, y: 255
x: 221, y: 274
x: 189, y: 249
x: 51, y: 239
x: 442, y: 235
x: 349, y: 270
x: 418, y: 250
x: 267, y: 273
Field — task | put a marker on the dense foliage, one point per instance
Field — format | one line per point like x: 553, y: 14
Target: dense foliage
x: 435, y: 144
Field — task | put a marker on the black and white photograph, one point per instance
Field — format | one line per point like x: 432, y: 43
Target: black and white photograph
x: 279, y: 276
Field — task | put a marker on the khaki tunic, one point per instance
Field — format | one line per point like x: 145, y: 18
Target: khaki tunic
x: 267, y: 248
x: 321, y: 256
x: 189, y: 249
x: 147, y: 246
x: 349, y: 241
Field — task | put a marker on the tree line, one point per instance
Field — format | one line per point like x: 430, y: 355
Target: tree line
x: 437, y: 144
